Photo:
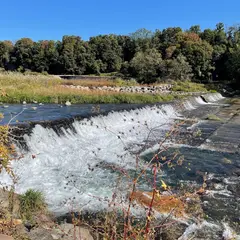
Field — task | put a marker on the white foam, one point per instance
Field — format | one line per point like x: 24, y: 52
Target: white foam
x: 188, y: 105
x: 98, y: 142
x: 82, y: 159
x: 228, y: 233
x: 213, y: 97
x: 192, y: 230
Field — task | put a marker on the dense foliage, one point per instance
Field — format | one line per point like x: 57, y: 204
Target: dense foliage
x: 205, y: 56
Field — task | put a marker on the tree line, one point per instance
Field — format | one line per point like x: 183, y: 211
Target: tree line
x: 204, y: 56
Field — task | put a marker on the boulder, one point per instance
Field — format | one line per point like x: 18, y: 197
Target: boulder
x: 68, y: 231
x: 41, y: 233
x: 5, y: 237
x: 68, y: 103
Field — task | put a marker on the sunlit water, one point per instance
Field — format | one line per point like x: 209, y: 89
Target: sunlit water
x: 77, y: 169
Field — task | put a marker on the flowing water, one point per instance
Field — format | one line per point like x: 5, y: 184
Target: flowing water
x: 79, y: 165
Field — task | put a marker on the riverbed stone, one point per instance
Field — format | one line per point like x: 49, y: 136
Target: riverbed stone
x: 5, y: 237
x: 68, y: 103
x: 68, y: 231
x: 173, y: 232
x: 128, y: 89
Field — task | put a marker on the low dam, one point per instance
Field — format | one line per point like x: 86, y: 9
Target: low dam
x: 77, y: 155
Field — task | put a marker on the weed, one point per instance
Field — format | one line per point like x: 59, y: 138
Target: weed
x: 31, y: 203
x: 16, y: 88
x: 187, y: 86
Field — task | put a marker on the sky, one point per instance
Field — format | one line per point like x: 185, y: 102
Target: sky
x: 52, y: 19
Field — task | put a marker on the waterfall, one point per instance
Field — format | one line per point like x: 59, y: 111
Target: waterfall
x: 72, y: 168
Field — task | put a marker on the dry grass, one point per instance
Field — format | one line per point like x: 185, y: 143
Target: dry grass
x: 90, y: 83
x: 16, y: 88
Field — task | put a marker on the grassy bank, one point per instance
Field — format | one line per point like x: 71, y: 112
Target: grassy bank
x: 16, y: 88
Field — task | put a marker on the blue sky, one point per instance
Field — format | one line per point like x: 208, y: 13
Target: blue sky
x: 51, y: 19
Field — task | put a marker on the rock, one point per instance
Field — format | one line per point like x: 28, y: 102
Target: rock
x: 5, y: 106
x: 34, y: 108
x: 24, y: 102
x: 40, y: 104
x: 80, y: 233
x: 235, y: 189
x: 4, y: 200
x: 5, y: 237
x: 69, y: 231
x: 15, y: 222
x: 174, y: 232
x: 226, y: 161
x: 228, y: 233
x: 55, y: 237
x: 35, y: 102
x: 40, y: 233
x: 68, y: 103
x: 237, y: 172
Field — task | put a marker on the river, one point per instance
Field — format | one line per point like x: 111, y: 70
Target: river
x: 71, y: 152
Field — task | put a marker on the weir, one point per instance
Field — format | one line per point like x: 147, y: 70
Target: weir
x: 75, y: 160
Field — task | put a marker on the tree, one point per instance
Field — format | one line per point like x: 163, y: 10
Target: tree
x: 6, y: 48
x: 146, y: 65
x: 52, y: 55
x: 128, y: 47
x: 107, y: 51
x: 199, y: 56
x: 22, y: 56
x: 220, y: 35
x: 178, y: 68
x: 67, y: 54
x: 233, y: 65
x: 168, y: 38
x: 233, y: 36
x: 141, y: 33
x: 195, y: 29
x: 208, y: 35
x: 39, y: 59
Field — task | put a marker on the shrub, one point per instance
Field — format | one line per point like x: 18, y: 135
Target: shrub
x: 30, y: 203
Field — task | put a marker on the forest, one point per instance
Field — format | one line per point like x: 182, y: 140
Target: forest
x: 210, y: 55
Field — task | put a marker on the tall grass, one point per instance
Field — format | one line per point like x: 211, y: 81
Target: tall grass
x: 187, y: 86
x: 16, y: 88
x: 31, y: 203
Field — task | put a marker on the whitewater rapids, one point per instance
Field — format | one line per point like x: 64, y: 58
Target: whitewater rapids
x: 70, y: 169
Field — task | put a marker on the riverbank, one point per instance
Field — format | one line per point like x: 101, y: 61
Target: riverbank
x: 19, y: 88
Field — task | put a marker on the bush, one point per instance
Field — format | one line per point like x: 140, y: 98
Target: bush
x: 30, y: 203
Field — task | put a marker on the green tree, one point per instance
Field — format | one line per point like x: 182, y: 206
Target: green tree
x: 39, y: 59
x: 208, y: 35
x: 195, y: 29
x: 52, y: 55
x: 233, y: 65
x: 67, y: 54
x: 146, y: 65
x: 22, y: 56
x: 107, y: 51
x: 178, y: 68
x: 167, y: 38
x: 6, y: 48
x: 220, y: 34
x: 199, y: 55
